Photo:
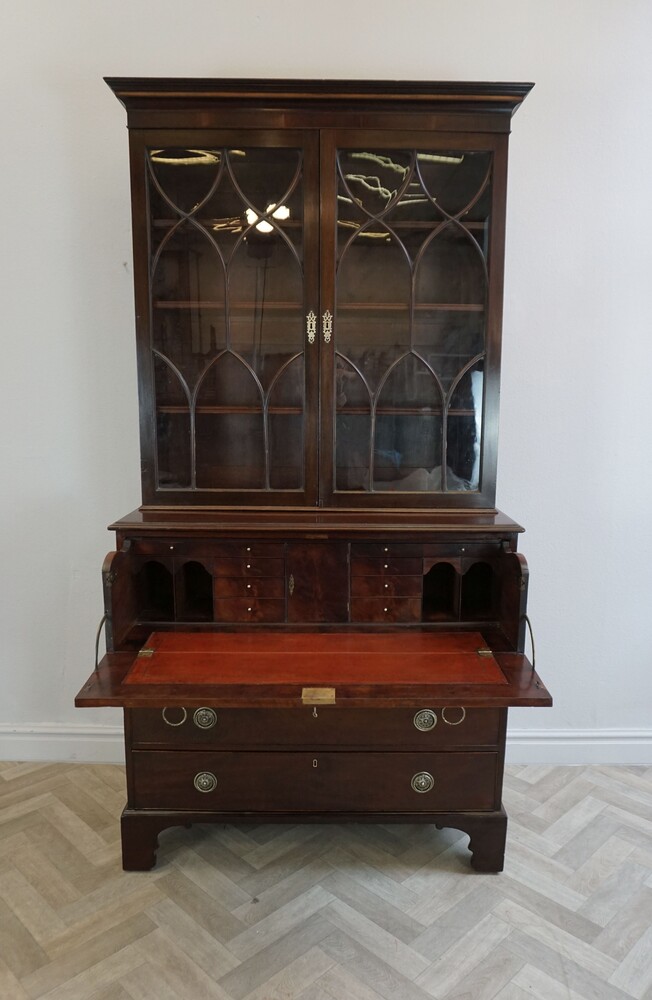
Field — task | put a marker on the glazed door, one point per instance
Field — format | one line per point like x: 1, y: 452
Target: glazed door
x: 412, y: 253
x: 227, y: 299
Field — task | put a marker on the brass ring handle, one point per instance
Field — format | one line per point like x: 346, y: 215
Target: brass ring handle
x: 205, y: 781
x: 174, y: 724
x: 425, y: 720
x: 205, y: 718
x: 459, y: 721
x: 422, y: 782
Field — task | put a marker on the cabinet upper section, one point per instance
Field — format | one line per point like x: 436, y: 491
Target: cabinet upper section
x: 318, y: 272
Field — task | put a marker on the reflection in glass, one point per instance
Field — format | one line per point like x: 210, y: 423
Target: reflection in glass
x: 227, y: 286
x: 411, y: 287
x: 464, y: 433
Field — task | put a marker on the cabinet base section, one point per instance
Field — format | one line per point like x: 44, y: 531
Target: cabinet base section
x: 140, y: 829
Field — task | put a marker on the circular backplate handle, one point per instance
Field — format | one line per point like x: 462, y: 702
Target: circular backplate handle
x: 205, y: 718
x: 425, y: 720
x: 422, y: 782
x: 205, y: 781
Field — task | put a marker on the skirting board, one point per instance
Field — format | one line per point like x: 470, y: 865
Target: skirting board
x: 104, y: 744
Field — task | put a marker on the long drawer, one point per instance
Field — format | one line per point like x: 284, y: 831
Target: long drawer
x: 316, y: 781
x: 426, y: 728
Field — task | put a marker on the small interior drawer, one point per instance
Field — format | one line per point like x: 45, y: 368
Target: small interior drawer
x: 386, y: 586
x: 248, y: 609
x: 249, y: 566
x: 385, y: 609
x: 245, y: 587
x: 389, y: 566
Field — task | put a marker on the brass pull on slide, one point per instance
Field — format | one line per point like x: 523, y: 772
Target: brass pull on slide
x: 318, y: 696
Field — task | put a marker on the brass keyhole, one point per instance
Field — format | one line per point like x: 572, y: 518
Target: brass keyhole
x: 314, y: 763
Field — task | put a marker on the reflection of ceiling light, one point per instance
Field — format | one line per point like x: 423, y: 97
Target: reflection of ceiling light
x: 187, y: 157
x: 282, y: 212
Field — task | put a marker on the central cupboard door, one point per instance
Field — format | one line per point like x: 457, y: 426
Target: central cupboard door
x: 225, y: 329
x: 411, y: 285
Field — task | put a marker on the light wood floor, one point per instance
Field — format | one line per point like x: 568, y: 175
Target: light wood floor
x: 327, y: 913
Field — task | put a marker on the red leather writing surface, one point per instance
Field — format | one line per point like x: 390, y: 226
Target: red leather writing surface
x: 315, y: 659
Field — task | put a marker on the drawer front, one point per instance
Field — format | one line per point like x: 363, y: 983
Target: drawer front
x: 380, y: 549
x: 390, y: 566
x: 248, y: 610
x: 241, y: 586
x: 251, y: 566
x: 425, y: 728
x: 244, y: 548
x: 381, y: 609
x: 386, y: 586
x: 316, y: 781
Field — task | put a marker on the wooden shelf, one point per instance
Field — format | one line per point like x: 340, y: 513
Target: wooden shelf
x: 477, y: 307
x: 222, y: 304
x: 418, y: 307
x: 381, y: 411
x: 174, y: 408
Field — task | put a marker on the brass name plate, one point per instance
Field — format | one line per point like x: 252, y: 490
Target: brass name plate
x: 318, y: 696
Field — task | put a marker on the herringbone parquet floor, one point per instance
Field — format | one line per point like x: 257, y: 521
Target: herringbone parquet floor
x: 327, y: 913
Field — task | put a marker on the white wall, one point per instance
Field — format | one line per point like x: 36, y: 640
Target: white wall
x: 576, y: 404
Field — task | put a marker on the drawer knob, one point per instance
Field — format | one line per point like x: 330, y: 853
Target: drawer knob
x: 168, y: 722
x: 205, y: 781
x: 422, y: 782
x: 205, y: 718
x: 425, y: 720
x: 454, y: 721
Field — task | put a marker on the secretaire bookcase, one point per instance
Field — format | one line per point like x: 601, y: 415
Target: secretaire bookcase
x: 316, y: 614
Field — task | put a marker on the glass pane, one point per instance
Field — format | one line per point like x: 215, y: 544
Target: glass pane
x: 286, y: 404
x: 230, y: 450
x: 172, y: 427
x: 455, y: 181
x: 183, y: 178
x: 188, y: 301
x: 407, y: 454
x: 464, y: 432
x: 352, y: 437
x: 411, y: 284
x: 227, y: 286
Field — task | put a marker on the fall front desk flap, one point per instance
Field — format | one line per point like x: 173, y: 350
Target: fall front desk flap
x: 248, y: 669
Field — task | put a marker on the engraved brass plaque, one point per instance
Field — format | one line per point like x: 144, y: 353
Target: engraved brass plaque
x: 318, y: 696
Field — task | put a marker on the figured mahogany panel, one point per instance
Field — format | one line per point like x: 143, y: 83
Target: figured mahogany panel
x: 318, y: 581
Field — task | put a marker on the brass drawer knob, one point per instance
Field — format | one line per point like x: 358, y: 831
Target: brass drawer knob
x: 425, y: 720
x: 168, y: 722
x: 205, y: 718
x: 205, y: 781
x: 422, y: 782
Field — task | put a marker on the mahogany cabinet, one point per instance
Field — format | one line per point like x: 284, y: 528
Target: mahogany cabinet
x: 316, y: 614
